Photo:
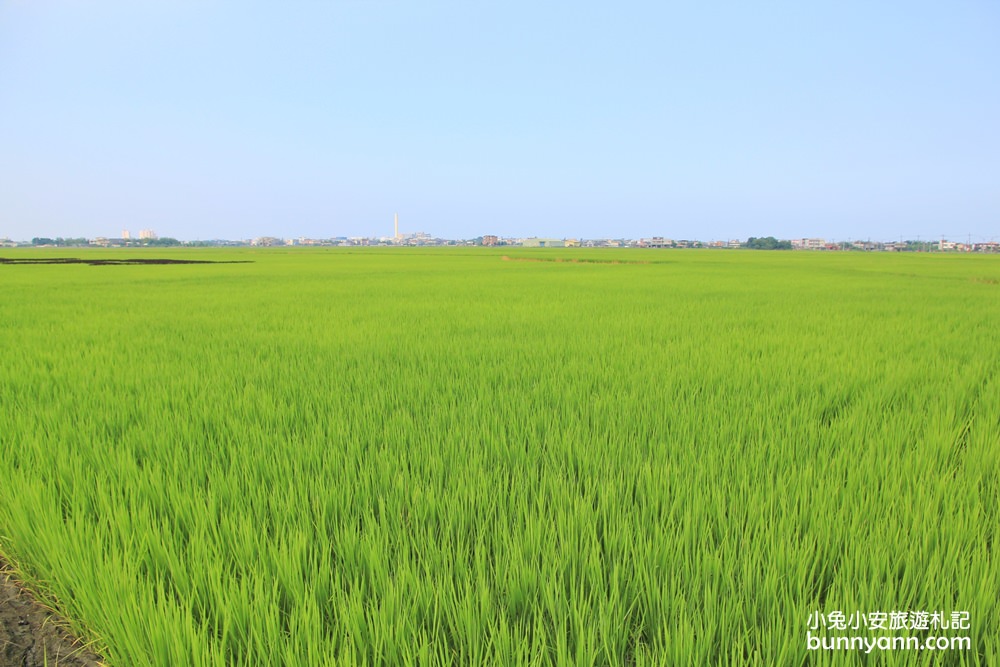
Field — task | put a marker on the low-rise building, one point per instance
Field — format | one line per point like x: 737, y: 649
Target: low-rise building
x: 543, y: 243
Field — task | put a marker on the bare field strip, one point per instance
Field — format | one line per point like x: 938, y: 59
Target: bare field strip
x: 31, y: 634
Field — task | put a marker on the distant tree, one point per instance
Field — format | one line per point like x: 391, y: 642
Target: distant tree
x: 163, y: 242
x: 767, y: 243
x: 59, y: 241
x: 921, y: 246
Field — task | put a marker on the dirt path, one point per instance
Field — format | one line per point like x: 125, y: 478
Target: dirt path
x: 31, y: 635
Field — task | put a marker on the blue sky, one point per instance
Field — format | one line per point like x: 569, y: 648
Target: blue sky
x: 707, y: 120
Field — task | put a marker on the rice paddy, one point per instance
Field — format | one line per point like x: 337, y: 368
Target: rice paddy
x: 435, y: 457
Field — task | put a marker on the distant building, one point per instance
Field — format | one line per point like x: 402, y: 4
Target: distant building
x: 543, y: 243
x: 147, y: 234
x: 489, y: 239
x: 126, y: 235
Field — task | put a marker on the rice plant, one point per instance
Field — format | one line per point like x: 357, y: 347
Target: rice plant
x: 437, y: 457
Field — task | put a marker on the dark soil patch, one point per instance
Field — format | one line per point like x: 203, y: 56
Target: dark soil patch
x: 32, y: 635
x: 115, y: 262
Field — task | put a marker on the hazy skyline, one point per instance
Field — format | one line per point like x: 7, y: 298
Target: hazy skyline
x: 711, y: 121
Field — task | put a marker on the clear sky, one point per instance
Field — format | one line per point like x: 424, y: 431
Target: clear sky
x: 703, y: 120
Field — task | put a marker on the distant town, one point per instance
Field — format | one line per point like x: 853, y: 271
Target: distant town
x: 149, y: 238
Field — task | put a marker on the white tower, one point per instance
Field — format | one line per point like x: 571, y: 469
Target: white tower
x: 396, y: 218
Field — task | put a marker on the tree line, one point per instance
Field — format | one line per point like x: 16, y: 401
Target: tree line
x: 767, y: 243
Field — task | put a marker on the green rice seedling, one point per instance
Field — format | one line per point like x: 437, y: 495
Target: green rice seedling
x: 435, y: 457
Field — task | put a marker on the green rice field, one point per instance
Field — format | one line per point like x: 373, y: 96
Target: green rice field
x: 470, y: 456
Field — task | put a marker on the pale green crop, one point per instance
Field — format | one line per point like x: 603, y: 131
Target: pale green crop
x: 438, y: 457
